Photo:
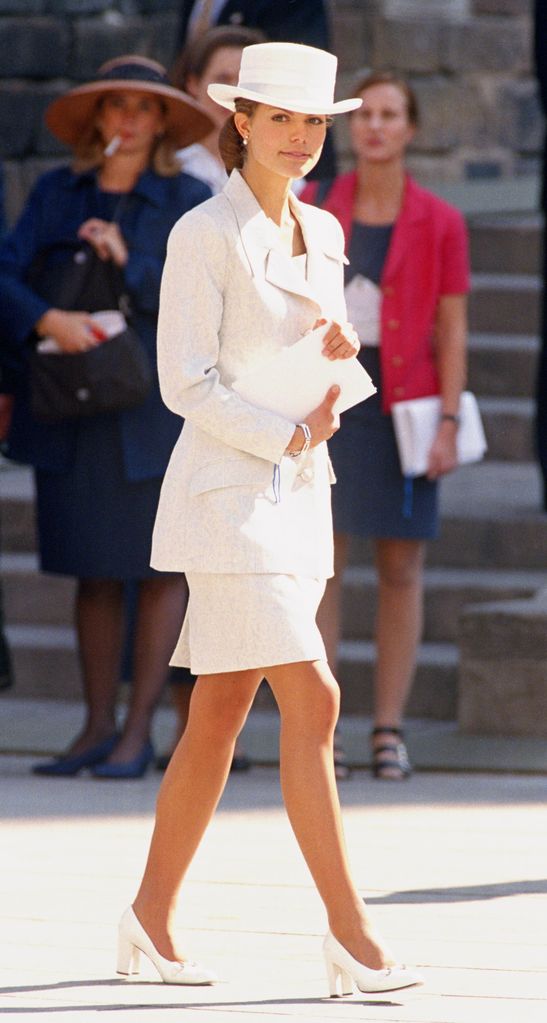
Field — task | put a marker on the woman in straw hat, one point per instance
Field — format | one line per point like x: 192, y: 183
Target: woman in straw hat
x: 245, y: 504
x: 98, y: 480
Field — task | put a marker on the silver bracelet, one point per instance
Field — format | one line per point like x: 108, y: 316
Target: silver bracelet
x: 307, y: 441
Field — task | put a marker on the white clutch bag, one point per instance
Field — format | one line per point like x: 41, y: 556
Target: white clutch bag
x: 416, y: 422
x: 296, y: 379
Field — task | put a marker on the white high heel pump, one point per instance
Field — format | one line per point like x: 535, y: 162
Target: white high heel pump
x: 133, y: 939
x: 340, y: 964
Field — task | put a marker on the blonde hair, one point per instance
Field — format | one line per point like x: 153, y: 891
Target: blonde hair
x: 230, y: 142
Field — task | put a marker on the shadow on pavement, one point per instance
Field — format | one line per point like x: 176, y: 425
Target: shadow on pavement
x: 464, y: 893
x: 127, y: 1007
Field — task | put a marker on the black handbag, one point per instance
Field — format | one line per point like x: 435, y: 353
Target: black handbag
x: 113, y: 376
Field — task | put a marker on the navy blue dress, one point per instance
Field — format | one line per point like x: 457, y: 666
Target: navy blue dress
x: 371, y: 497
x: 97, y: 479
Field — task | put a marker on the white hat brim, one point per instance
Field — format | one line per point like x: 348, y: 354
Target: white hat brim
x: 226, y: 95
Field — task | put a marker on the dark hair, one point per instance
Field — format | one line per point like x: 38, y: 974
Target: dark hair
x: 230, y: 142
x: 194, y: 58
x: 390, y: 78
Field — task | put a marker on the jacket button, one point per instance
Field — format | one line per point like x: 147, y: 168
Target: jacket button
x: 389, y: 291
x: 393, y: 324
x: 397, y: 360
x: 398, y: 392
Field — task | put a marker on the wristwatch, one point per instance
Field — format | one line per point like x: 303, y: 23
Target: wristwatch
x: 307, y: 441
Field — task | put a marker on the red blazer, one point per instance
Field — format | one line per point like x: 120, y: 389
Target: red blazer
x: 427, y: 258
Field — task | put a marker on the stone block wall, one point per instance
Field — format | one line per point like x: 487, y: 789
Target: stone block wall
x: 49, y: 45
x: 469, y: 60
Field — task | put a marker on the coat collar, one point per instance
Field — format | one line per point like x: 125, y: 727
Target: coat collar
x: 261, y: 242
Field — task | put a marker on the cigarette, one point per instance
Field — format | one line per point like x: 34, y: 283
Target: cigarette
x: 112, y: 146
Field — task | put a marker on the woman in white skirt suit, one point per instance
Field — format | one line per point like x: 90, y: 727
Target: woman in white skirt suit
x: 245, y: 505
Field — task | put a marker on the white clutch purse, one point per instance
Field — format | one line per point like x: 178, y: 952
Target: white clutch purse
x: 416, y: 422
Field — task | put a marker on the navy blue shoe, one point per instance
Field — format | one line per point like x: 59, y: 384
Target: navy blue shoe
x: 135, y: 768
x: 67, y: 767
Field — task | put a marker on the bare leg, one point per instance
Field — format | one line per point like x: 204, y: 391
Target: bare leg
x: 190, y: 791
x: 330, y: 608
x: 399, y: 624
x: 329, y: 621
x: 99, y: 624
x: 161, y: 606
x: 180, y: 696
x: 398, y: 629
x: 308, y: 700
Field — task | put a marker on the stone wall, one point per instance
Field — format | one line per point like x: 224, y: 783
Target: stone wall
x: 469, y: 60
x: 48, y: 45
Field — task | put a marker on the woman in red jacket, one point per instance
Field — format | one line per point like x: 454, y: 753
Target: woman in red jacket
x: 406, y: 290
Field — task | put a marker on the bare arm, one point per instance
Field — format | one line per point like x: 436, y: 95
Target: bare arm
x: 451, y: 346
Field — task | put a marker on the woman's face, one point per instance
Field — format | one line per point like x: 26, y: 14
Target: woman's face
x: 222, y: 67
x: 287, y: 143
x: 380, y: 129
x: 136, y: 117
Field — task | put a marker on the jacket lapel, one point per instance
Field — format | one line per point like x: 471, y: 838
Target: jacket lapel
x: 261, y: 243
x: 413, y: 210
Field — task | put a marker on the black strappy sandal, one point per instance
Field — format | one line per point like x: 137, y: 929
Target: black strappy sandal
x: 390, y: 761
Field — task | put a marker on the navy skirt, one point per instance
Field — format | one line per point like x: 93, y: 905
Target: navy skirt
x: 371, y: 496
x: 93, y: 523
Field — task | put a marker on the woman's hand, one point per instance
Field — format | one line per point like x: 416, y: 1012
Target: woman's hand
x: 73, y: 332
x: 322, y: 422
x: 106, y: 239
x: 340, y: 341
x: 443, y: 456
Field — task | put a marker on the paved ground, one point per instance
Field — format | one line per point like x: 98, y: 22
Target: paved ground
x: 453, y: 866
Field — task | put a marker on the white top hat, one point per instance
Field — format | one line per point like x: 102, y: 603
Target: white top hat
x: 285, y: 75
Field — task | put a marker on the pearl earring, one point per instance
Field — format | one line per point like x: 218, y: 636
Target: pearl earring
x: 245, y: 139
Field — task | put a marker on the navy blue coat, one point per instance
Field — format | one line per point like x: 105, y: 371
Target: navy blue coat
x: 289, y: 21
x: 59, y: 203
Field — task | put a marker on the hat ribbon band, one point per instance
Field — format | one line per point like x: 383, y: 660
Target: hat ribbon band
x: 133, y: 73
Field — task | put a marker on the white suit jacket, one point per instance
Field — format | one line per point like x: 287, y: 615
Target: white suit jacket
x: 230, y: 298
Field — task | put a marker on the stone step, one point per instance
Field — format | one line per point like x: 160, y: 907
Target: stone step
x: 45, y: 661
x: 447, y: 592
x: 508, y: 425
x: 46, y: 667
x: 30, y: 596
x: 434, y: 694
x: 502, y: 303
x: 491, y: 518
x: 503, y: 676
x: 502, y: 365
x: 505, y: 244
x: 17, y: 518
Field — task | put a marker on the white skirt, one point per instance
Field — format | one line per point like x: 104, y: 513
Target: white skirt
x: 235, y: 622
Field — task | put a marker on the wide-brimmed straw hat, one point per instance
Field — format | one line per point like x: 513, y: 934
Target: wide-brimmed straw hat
x: 285, y: 75
x: 70, y: 115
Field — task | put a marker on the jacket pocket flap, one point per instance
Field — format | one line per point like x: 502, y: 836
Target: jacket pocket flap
x: 234, y: 473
